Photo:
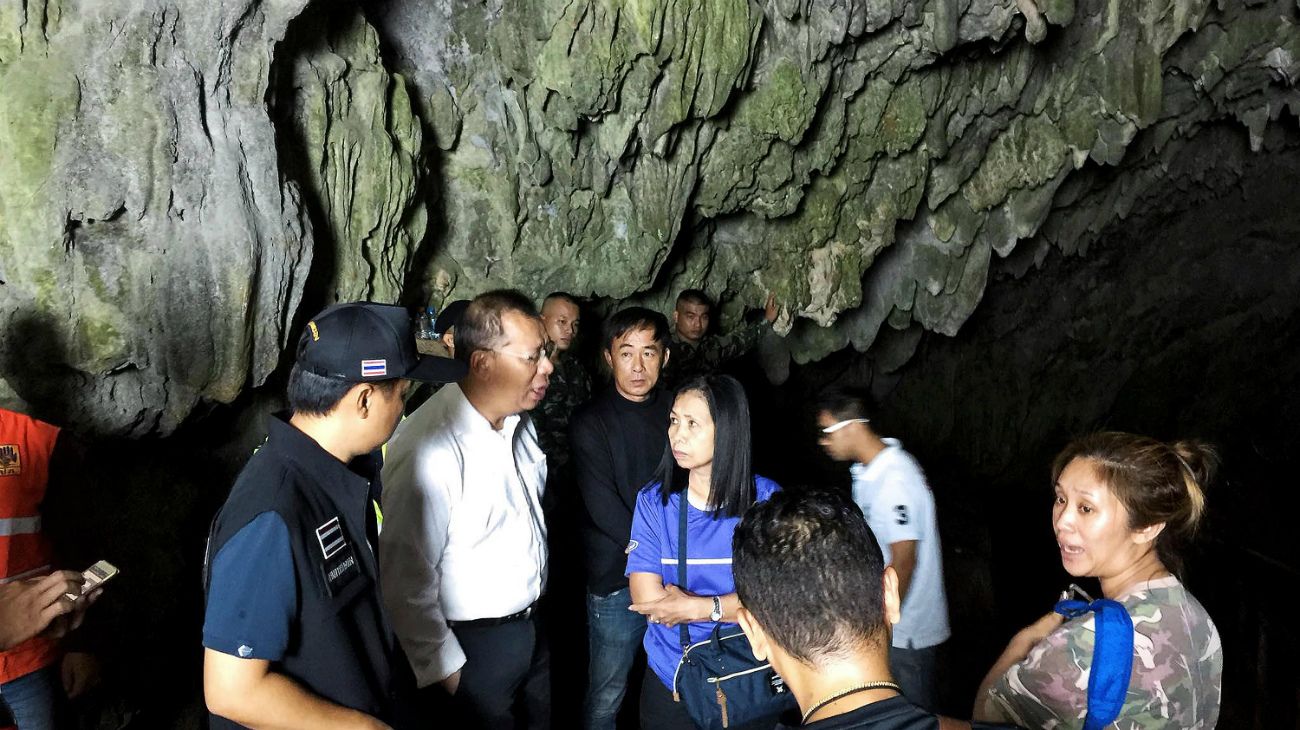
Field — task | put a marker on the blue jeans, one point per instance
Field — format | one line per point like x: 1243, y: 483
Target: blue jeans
x: 31, y: 698
x: 916, y: 671
x: 613, y: 636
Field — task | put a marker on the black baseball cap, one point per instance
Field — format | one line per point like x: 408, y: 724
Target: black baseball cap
x: 361, y: 341
x: 450, y: 316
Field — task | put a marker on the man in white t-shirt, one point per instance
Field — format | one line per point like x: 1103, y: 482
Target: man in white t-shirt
x: 890, y: 488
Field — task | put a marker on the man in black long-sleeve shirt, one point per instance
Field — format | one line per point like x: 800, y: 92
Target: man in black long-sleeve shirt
x: 618, y: 441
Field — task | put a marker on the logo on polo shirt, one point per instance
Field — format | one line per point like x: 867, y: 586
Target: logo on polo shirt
x: 11, y: 461
x: 632, y: 545
x: 245, y: 650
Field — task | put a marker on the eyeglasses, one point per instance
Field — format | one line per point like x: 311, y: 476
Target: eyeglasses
x: 837, y: 426
x: 534, y: 359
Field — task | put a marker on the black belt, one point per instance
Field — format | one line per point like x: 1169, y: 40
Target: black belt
x: 523, y: 615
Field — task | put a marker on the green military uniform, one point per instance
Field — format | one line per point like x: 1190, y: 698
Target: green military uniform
x: 570, y: 387
x: 689, y: 361
x: 1177, y: 668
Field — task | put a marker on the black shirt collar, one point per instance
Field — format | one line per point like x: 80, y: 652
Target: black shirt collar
x: 342, y: 482
x: 894, y: 712
x: 622, y: 403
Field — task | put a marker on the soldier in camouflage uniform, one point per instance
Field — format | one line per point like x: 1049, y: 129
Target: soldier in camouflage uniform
x: 564, y: 602
x: 695, y: 351
x: 570, y: 383
x: 1124, y: 506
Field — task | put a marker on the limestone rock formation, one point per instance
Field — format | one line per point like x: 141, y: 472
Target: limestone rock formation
x: 788, y: 146
x: 180, y: 183
x: 151, y: 254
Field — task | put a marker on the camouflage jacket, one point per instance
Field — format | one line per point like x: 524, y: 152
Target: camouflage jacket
x: 1177, y: 668
x: 689, y: 361
x: 569, y: 388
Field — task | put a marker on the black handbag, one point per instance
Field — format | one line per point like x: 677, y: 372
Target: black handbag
x: 719, y: 679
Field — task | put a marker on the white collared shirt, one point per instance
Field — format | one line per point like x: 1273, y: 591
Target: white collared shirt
x: 463, y: 534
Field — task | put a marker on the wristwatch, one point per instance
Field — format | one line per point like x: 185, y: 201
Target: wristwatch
x: 716, y: 613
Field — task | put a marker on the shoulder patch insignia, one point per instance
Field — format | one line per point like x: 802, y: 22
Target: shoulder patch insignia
x: 11, y: 461
x: 632, y: 545
x: 330, y: 537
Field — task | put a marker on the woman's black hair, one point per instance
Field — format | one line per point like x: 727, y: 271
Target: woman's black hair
x: 731, y: 484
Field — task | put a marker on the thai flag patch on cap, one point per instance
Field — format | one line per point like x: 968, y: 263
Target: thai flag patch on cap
x: 374, y: 368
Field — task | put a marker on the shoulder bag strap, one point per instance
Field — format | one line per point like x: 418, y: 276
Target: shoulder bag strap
x: 1112, y: 658
x: 681, y: 559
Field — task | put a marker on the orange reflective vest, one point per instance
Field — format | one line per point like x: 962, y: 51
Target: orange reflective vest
x: 25, y: 448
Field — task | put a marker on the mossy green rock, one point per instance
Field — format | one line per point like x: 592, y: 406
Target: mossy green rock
x: 176, y: 193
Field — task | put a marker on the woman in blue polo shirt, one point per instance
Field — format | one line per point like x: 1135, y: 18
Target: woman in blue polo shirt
x: 707, y: 462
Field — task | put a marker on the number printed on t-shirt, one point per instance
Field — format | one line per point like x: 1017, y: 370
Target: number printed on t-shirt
x: 901, y: 511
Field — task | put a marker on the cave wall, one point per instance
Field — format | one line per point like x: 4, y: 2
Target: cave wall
x: 152, y: 255
x: 182, y: 183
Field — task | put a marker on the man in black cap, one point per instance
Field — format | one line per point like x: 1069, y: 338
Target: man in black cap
x: 443, y: 345
x: 444, y: 326
x: 295, y: 634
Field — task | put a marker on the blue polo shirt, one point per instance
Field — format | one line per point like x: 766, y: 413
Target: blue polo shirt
x: 252, y: 599
x: 653, y: 549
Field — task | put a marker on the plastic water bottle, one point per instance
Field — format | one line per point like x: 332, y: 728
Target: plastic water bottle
x: 424, y: 325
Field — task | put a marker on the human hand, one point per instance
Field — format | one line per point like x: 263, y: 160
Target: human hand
x: 80, y: 672
x: 67, y: 623
x: 770, y: 311
x: 451, y: 683
x: 27, y: 607
x: 675, y: 607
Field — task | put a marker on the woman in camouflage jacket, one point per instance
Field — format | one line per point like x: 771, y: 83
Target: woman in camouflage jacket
x: 1125, y: 506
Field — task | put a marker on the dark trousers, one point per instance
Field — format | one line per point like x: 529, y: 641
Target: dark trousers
x: 658, y: 711
x: 506, y: 681
x: 916, y: 671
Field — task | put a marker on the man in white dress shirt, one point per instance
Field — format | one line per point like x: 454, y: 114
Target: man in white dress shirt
x: 463, y: 548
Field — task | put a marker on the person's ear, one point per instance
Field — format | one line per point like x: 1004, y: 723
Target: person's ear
x: 758, y: 642
x: 609, y: 358
x: 360, y: 398
x: 893, y: 605
x: 664, y: 362
x: 675, y: 318
x: 1148, y: 534
x: 480, y: 361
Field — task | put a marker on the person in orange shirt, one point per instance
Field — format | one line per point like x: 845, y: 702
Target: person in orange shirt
x: 34, y: 670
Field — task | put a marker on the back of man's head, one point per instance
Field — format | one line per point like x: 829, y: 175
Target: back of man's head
x: 810, y: 572
x: 358, y: 343
x: 480, y: 326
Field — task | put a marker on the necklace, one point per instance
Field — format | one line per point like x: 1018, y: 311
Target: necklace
x: 845, y: 693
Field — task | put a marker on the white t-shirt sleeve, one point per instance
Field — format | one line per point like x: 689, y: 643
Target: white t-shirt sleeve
x: 900, y: 508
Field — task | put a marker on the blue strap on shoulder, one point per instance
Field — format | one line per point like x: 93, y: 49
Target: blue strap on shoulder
x: 1112, y: 658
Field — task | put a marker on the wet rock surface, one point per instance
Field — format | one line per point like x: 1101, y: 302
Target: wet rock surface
x: 181, y: 184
